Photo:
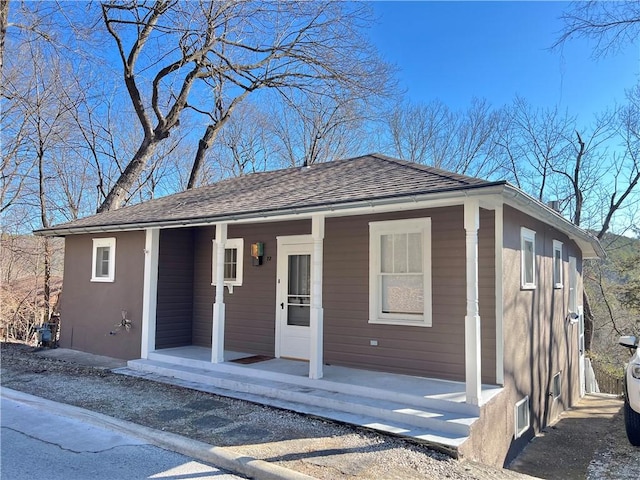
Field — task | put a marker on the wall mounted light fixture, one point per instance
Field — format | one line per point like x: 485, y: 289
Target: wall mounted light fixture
x: 257, y: 252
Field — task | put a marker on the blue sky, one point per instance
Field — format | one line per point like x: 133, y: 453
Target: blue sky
x: 454, y: 51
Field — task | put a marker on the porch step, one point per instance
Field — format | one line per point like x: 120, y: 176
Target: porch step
x: 381, y: 392
x: 444, y: 429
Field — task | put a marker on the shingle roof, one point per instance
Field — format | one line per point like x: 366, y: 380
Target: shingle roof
x: 369, y: 177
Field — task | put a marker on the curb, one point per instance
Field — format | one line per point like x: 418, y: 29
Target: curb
x: 218, y: 456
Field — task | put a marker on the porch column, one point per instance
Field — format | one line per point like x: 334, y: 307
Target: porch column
x: 499, y: 241
x: 217, y: 332
x: 316, y: 321
x: 149, y: 291
x: 472, y: 319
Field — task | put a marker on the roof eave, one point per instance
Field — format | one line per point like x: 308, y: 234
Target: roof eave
x: 282, y: 214
x: 590, y: 246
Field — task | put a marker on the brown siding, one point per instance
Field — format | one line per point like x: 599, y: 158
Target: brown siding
x: 175, y: 288
x: 250, y: 310
x: 487, y: 294
x: 203, y: 291
x: 436, y: 351
x: 90, y: 310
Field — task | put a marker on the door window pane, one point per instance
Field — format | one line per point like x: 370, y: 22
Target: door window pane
x: 299, y: 315
x: 299, y: 274
x: 299, y: 291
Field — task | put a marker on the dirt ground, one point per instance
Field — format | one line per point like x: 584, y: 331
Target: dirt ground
x: 591, y: 432
x: 319, y: 448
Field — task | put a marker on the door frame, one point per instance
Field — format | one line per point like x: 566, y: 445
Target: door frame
x: 581, y: 353
x: 305, y: 241
x: 576, y: 308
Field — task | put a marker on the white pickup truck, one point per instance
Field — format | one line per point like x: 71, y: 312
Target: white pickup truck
x: 632, y: 391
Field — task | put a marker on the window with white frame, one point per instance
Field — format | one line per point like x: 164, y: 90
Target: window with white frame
x: 400, y: 272
x: 522, y: 418
x: 556, y: 386
x: 557, y: 264
x: 103, y: 263
x: 233, y: 262
x: 528, y: 259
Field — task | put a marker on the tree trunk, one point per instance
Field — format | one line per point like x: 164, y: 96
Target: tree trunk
x: 203, y: 145
x: 588, y: 321
x: 4, y: 14
x: 47, y: 279
x: 117, y: 195
x: 42, y: 195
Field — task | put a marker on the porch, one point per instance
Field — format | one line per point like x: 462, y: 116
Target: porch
x: 429, y: 411
x: 332, y: 317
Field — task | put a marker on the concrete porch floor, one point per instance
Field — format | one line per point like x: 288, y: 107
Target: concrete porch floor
x: 343, y: 378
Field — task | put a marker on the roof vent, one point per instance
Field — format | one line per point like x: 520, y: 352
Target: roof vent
x: 554, y: 205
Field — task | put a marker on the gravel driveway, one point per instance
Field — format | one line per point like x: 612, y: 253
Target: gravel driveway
x: 616, y: 458
x: 316, y: 447
x: 319, y: 448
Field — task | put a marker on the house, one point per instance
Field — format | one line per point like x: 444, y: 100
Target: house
x: 372, y: 290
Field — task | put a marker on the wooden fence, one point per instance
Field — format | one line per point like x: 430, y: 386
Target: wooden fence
x: 607, y: 382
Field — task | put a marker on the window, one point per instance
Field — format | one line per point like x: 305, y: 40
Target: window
x: 233, y: 263
x: 556, y: 386
x: 400, y: 272
x: 103, y: 263
x: 521, y: 416
x: 557, y: 264
x: 528, y: 260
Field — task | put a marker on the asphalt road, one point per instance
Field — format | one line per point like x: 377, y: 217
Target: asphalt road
x: 39, y: 444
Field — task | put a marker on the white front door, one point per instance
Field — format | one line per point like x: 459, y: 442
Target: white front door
x: 294, y: 300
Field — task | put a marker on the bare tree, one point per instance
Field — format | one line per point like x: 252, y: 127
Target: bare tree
x: 625, y: 164
x: 40, y: 169
x: 4, y: 20
x: 462, y: 141
x: 415, y: 130
x: 612, y: 25
x: 245, y: 144
x: 538, y: 140
x: 312, y: 128
x: 209, y: 56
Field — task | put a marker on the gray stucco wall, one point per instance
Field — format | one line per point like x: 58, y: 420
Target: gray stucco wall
x: 538, y: 343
